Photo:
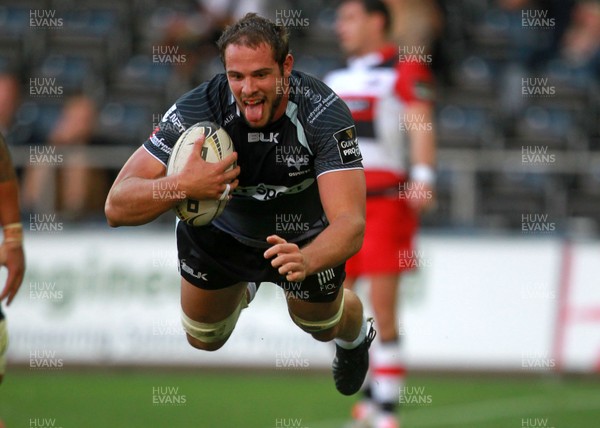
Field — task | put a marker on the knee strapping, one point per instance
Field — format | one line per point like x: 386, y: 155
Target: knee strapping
x: 213, y: 332
x: 319, y: 326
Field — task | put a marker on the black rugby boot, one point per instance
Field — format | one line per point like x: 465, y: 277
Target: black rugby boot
x: 350, y: 366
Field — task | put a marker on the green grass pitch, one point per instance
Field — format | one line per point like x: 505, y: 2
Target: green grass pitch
x: 305, y: 399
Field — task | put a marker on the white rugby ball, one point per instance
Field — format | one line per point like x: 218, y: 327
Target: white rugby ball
x: 217, y: 146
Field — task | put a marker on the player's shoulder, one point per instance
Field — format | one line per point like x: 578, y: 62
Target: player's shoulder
x: 411, y: 64
x: 317, y: 102
x: 214, y: 89
x: 417, y: 69
x: 306, y: 87
x: 206, y: 101
x: 415, y: 82
x: 337, y: 77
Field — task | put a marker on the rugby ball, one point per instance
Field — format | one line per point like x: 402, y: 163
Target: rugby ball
x: 217, y: 146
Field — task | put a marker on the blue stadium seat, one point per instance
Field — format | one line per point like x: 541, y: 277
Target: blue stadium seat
x: 465, y: 125
x: 14, y: 19
x: 128, y: 121
x: 76, y: 72
x: 505, y: 196
x: 584, y: 196
x: 141, y: 76
x: 554, y: 125
x: 36, y: 118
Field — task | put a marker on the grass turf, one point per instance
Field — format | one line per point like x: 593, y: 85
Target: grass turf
x: 220, y: 399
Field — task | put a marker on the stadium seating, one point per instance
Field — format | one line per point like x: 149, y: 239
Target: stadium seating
x: 104, y: 49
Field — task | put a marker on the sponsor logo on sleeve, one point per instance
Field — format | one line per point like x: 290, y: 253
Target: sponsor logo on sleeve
x: 172, y: 120
x: 347, y: 144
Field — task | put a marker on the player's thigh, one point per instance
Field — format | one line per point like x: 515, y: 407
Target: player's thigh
x: 209, y: 306
x: 383, y: 289
x: 349, y: 282
x: 383, y: 293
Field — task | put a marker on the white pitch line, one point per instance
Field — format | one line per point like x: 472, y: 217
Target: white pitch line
x: 460, y: 414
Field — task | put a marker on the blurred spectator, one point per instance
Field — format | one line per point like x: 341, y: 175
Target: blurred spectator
x: 535, y: 42
x: 415, y: 22
x: 195, y: 31
x: 78, y: 186
x: 580, y: 46
x: 534, y: 31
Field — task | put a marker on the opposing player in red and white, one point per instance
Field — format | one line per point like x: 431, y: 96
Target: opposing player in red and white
x: 390, y: 98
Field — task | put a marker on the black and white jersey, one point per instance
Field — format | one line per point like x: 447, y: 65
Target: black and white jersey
x: 280, y: 163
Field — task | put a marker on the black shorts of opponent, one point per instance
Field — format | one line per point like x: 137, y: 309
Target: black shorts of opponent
x: 211, y: 259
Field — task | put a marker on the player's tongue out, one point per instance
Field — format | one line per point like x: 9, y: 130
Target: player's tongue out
x: 253, y: 110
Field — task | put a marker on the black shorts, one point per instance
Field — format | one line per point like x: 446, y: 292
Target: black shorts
x: 212, y: 259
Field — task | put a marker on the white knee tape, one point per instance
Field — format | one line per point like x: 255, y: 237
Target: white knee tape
x: 213, y: 332
x: 318, y: 326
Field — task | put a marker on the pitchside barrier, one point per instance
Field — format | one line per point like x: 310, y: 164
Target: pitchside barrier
x: 111, y: 297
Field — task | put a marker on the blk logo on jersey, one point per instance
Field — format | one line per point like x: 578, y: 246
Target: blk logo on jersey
x: 347, y: 144
x: 262, y: 137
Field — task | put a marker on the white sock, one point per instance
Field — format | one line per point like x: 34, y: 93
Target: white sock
x: 249, y: 295
x: 388, y: 372
x: 251, y: 287
x: 361, y: 337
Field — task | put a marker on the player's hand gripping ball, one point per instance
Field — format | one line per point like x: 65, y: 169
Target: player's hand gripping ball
x: 217, y: 145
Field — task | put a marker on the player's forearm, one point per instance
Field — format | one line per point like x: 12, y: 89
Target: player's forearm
x: 9, y: 208
x: 422, y: 138
x: 338, y: 242
x: 135, y: 201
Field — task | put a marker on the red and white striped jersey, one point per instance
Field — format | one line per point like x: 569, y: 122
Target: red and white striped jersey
x: 377, y: 87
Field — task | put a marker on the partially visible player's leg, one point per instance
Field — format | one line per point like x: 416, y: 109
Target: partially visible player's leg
x: 3, y: 345
x: 349, y: 282
x: 213, y: 267
x: 387, y: 362
x: 341, y: 318
x: 384, y: 296
x: 338, y: 316
x: 3, y: 349
x: 209, y: 316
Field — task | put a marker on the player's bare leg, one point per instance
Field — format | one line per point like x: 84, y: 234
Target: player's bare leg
x: 348, y: 327
x: 382, y: 389
x: 384, y: 294
x: 365, y: 408
x: 211, y: 313
x: 387, y: 363
x: 349, y: 282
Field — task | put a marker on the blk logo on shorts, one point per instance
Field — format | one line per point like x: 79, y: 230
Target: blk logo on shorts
x: 190, y: 271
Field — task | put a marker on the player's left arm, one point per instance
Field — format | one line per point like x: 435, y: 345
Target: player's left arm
x: 11, y: 250
x: 422, y: 155
x: 343, y: 196
x: 415, y: 87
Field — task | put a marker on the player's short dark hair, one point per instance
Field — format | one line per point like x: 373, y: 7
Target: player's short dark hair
x: 375, y: 6
x: 253, y: 30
